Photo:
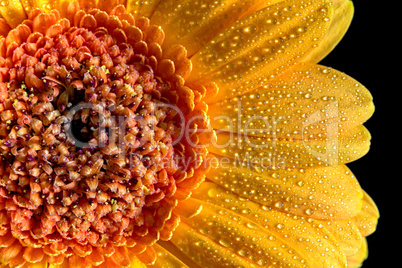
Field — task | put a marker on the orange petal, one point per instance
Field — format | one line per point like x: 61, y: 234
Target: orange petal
x: 82, y: 250
x: 17, y: 261
x: 41, y: 23
x: 148, y: 256
x: 23, y: 32
x: 59, y: 247
x: 137, y: 249
x: 149, y: 239
x: 169, y: 227
x: 74, y: 261
x: 6, y: 240
x: 89, y: 22
x: 33, y: 255
x: 96, y: 257
x: 121, y: 257
x: 69, y: 9
x: 261, y: 46
x: 166, y: 68
x: 10, y: 252
x: 56, y: 260
x: 155, y: 34
x: 54, y: 30
x: 4, y: 27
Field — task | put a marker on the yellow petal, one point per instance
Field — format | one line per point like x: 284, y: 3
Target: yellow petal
x: 28, y: 5
x: 135, y: 262
x: 367, y: 219
x: 46, y: 5
x: 311, y: 110
x: 329, y: 149
x: 343, y: 14
x: 142, y: 8
x: 187, y: 209
x: 13, y: 12
x: 41, y: 264
x: 175, y: 251
x: 194, y: 23
x: 323, y: 193
x: 261, y: 46
x: 203, y: 250
x: 302, y: 103
x: 260, y: 234
x: 165, y: 259
x: 346, y: 233
x: 356, y: 261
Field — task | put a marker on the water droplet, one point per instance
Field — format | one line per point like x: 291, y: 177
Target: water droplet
x: 246, y: 211
x: 280, y: 226
x: 4, y: 3
x: 244, y: 252
x: 258, y: 168
x: 205, y: 231
x: 199, y: 243
x: 309, y: 211
x: 266, y: 208
x: 252, y: 225
x: 326, y: 71
x: 225, y: 242
x: 213, y: 193
x: 271, y: 21
x: 251, y: 29
x: 226, y: 44
x: 302, y: 29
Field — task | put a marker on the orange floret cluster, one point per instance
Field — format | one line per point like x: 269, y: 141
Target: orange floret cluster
x: 91, y: 115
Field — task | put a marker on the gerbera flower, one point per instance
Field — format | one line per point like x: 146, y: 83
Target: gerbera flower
x: 179, y: 134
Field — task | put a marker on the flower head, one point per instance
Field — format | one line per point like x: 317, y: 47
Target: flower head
x: 179, y: 133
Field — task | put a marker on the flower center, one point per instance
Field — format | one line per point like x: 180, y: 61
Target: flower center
x: 89, y: 132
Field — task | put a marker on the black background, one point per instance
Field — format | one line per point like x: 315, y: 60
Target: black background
x: 367, y: 53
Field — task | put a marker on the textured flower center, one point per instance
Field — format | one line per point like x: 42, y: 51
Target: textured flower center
x: 89, y: 151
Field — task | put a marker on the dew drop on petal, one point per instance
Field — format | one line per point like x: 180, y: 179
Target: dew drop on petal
x: 309, y: 211
x: 225, y: 242
x: 244, y: 252
x: 280, y: 226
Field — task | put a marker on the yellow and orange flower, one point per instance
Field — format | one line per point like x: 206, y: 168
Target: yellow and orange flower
x: 179, y: 134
